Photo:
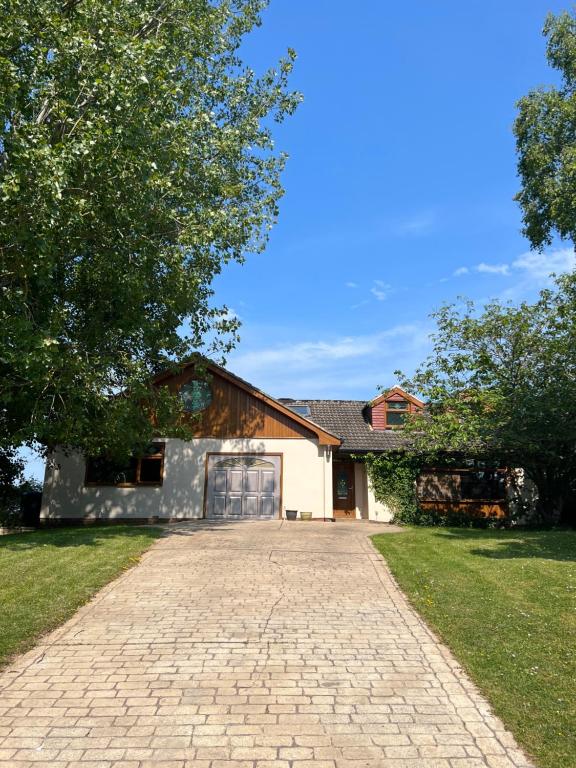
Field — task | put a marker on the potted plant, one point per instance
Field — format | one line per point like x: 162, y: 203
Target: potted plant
x: 291, y: 514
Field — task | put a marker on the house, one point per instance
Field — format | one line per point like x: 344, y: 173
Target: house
x: 251, y: 456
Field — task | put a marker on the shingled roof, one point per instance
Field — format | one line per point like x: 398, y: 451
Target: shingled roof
x: 350, y: 420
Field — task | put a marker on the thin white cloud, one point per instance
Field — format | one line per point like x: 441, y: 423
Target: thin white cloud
x: 351, y: 285
x: 380, y: 290
x: 536, y: 271
x: 483, y: 268
x: 493, y: 269
x: 308, y: 353
x: 334, y: 367
x: 531, y: 270
x: 360, y: 304
x: 541, y: 265
x: 419, y: 224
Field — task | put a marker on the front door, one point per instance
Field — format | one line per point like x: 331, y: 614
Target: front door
x: 344, y: 490
x: 243, y: 487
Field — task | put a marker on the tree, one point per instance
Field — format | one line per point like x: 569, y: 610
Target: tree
x: 11, y: 481
x: 545, y: 132
x: 136, y: 159
x: 501, y: 385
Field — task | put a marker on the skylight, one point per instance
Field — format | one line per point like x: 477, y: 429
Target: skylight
x: 301, y: 410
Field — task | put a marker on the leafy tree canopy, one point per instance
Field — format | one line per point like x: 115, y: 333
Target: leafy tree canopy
x: 501, y: 384
x: 546, y: 142
x: 136, y: 158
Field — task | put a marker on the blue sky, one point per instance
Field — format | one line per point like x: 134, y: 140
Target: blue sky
x: 399, y: 187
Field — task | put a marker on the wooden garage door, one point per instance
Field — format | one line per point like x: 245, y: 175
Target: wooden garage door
x: 243, y: 487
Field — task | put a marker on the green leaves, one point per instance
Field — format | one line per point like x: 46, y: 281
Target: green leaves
x: 393, y: 479
x: 545, y: 132
x: 135, y: 161
x: 501, y: 385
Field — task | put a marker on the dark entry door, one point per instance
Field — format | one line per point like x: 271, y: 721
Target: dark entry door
x: 344, y: 494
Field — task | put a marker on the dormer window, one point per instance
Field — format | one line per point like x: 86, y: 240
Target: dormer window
x: 396, y: 411
x: 390, y: 409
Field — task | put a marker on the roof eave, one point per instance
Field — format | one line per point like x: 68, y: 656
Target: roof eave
x: 398, y: 390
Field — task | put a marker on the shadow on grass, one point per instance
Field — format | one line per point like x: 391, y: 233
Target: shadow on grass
x: 71, y: 537
x: 96, y: 535
x: 557, y: 544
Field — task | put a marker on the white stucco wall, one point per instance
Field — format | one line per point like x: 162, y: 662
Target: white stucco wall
x: 377, y: 511
x: 366, y: 505
x: 361, y: 491
x: 306, y: 482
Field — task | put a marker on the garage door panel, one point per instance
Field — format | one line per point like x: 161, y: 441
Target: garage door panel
x: 250, y: 507
x: 241, y: 486
x: 235, y: 506
x: 252, y: 481
x: 267, y: 506
x: 235, y: 480
x: 218, y: 507
x: 219, y: 480
x: 268, y: 484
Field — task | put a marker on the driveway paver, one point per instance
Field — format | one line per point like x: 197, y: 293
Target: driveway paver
x: 249, y: 645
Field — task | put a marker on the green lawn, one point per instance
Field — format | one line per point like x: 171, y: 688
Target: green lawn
x: 505, y: 602
x: 46, y: 575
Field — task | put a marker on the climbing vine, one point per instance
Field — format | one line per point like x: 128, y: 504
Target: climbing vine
x: 393, y: 479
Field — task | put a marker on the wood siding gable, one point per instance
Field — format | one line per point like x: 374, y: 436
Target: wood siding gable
x: 238, y: 410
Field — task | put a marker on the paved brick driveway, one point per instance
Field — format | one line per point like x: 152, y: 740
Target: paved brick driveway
x: 248, y: 645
